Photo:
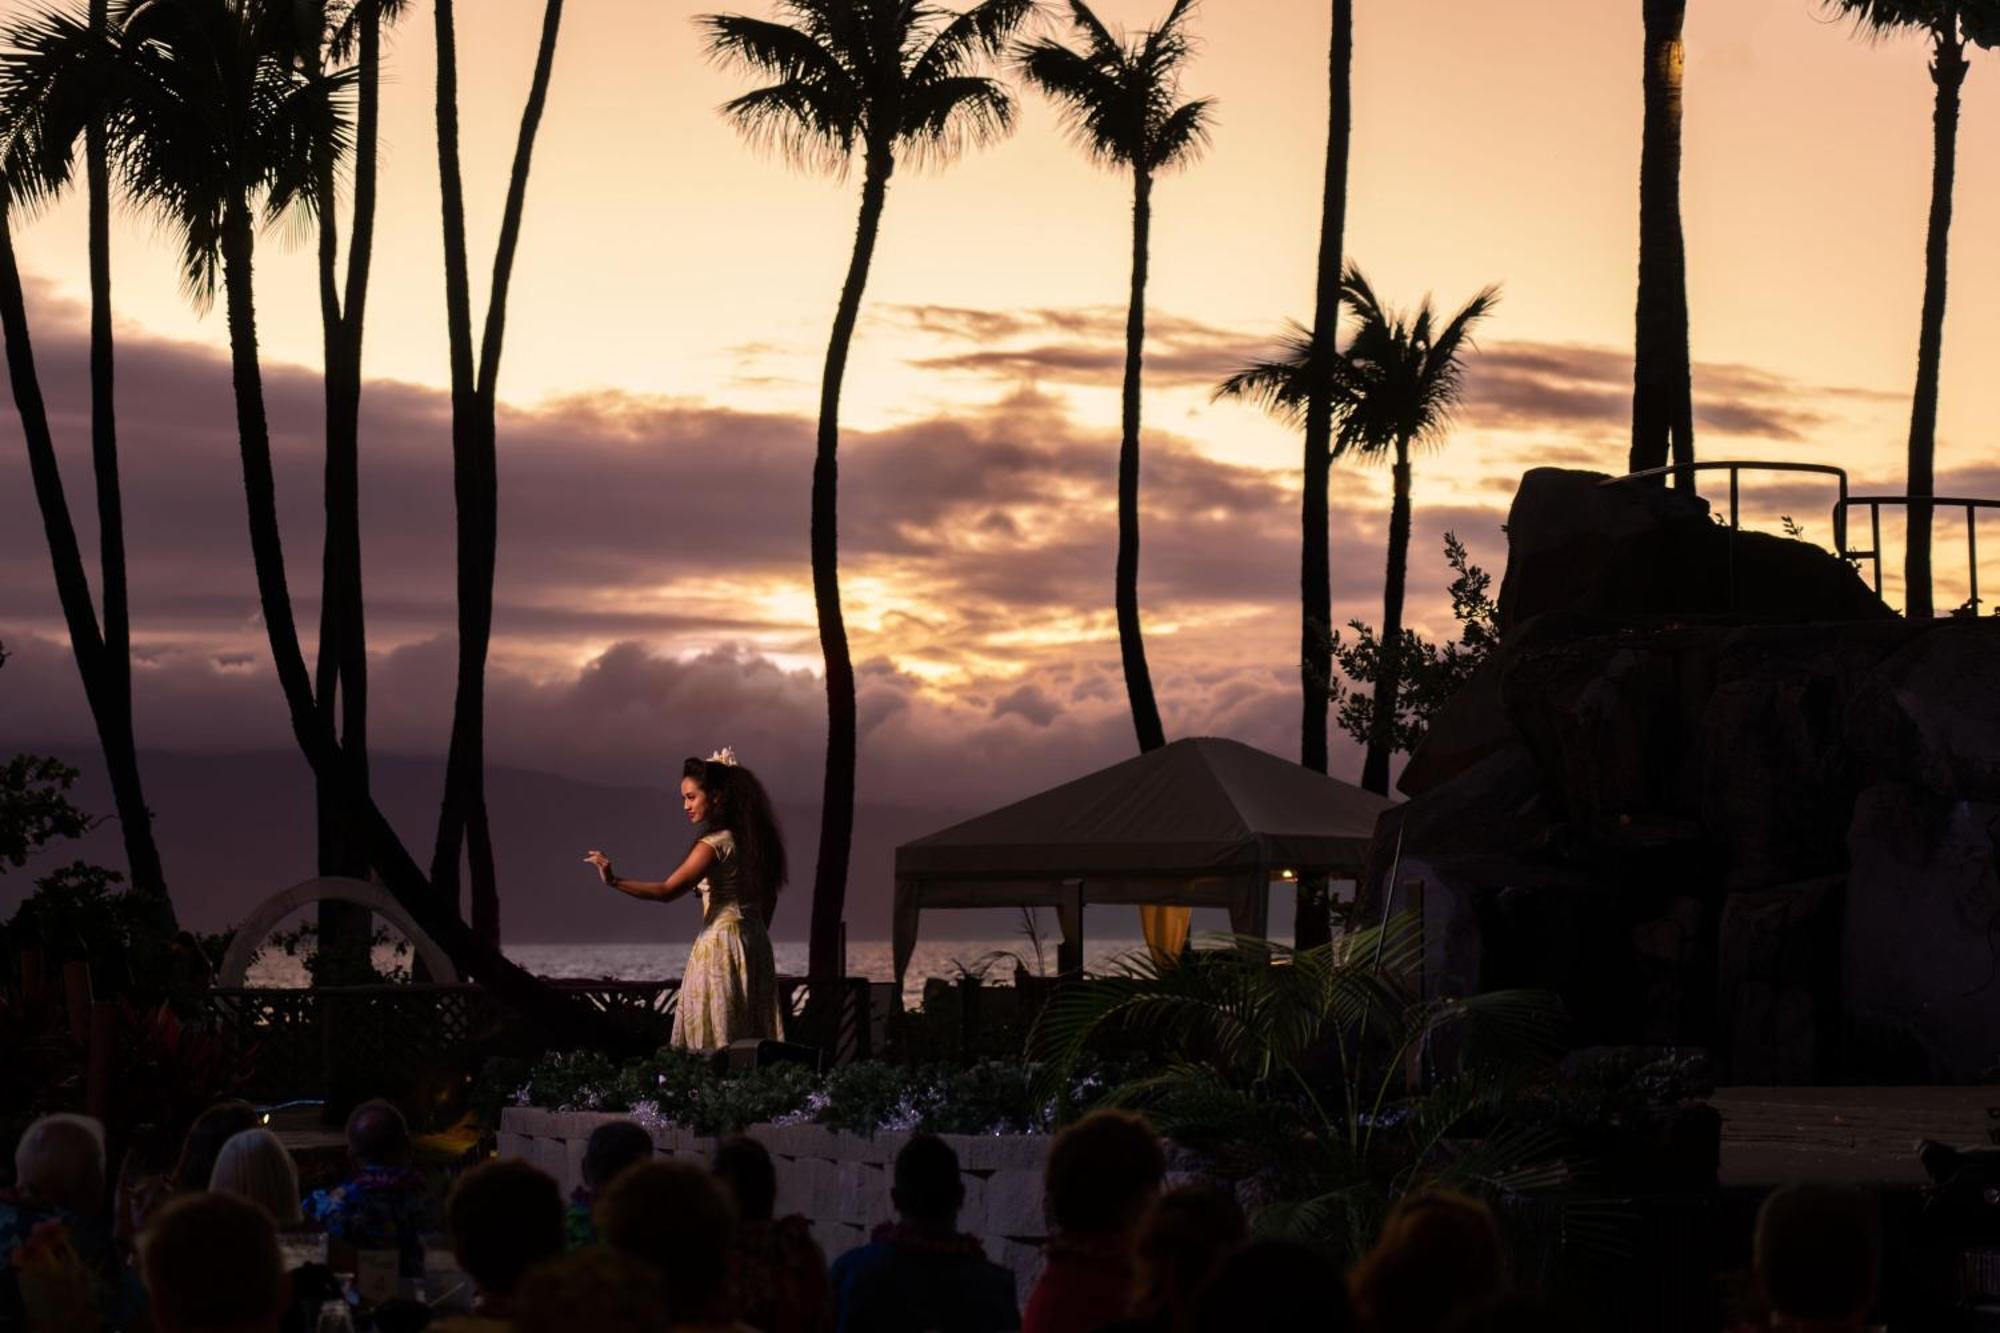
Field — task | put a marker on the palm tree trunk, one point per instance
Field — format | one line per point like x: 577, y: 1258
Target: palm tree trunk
x: 1948, y: 66
x: 1311, y: 927
x: 836, y: 830
x: 342, y: 674
x: 121, y: 759
x: 476, y: 469
x: 112, y: 716
x: 1131, y: 643
x: 1389, y: 673
x: 1662, y: 374
x: 564, y: 1020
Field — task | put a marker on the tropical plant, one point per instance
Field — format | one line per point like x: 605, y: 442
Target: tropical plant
x: 1662, y: 376
x: 1394, y: 388
x: 462, y: 820
x: 1121, y: 97
x: 1317, y: 1076
x: 892, y: 80
x: 1951, y: 26
x: 1432, y: 672
x: 51, y: 58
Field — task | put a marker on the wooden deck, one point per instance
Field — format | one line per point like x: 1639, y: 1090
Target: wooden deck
x: 1859, y: 1136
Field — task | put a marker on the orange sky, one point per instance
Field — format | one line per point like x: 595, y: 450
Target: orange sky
x: 1493, y: 143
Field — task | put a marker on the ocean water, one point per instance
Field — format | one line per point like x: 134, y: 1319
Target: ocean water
x: 625, y: 961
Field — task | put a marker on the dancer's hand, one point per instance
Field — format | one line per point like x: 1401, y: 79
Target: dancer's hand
x: 603, y: 864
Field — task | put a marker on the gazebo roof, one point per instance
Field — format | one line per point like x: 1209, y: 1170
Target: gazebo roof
x: 1201, y: 806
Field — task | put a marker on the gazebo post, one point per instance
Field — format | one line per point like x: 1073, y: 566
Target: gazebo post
x: 1069, y: 916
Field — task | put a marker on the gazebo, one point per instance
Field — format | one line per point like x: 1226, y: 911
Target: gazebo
x: 1202, y: 822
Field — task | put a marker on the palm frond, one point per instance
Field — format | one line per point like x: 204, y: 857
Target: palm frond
x: 774, y: 50
x: 946, y: 116
x: 1089, y: 95
x: 981, y: 32
x: 53, y: 78
x: 1103, y: 44
x: 803, y: 122
x: 1182, y: 135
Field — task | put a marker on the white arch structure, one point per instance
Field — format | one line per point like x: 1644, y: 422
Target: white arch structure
x: 256, y: 928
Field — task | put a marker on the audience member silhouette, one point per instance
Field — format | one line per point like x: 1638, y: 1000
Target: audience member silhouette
x: 505, y: 1217
x: 1275, y: 1286
x: 593, y: 1290
x: 674, y: 1217
x: 777, y: 1271
x: 205, y: 1137
x: 1186, y: 1236
x: 58, y: 1200
x: 611, y: 1148
x: 1439, y: 1255
x: 212, y: 1266
x: 1817, y: 1253
x: 1103, y: 1173
x: 383, y: 1205
x: 255, y: 1166
x: 920, y: 1273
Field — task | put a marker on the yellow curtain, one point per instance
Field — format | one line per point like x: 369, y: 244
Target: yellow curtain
x: 1166, y: 930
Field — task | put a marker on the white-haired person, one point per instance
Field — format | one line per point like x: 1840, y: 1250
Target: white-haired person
x: 729, y: 989
x: 254, y: 1165
x: 54, y: 1231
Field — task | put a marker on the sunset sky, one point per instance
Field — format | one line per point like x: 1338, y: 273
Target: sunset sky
x: 668, y: 318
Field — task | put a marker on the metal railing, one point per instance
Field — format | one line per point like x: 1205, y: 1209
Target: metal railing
x: 1970, y: 504
x: 1843, y: 502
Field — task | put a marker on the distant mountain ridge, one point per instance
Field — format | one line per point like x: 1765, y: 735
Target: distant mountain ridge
x: 235, y: 828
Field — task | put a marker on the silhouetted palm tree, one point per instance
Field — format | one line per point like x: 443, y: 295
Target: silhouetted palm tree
x: 331, y: 33
x: 475, y: 465
x: 1951, y: 25
x: 47, y: 100
x: 1315, y: 555
x: 1662, y: 376
x: 894, y: 80
x: 1394, y: 388
x: 1122, y: 101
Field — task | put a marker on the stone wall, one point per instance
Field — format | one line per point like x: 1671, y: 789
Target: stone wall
x: 839, y: 1182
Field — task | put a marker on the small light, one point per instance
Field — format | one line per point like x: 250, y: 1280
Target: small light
x: 1287, y: 874
x: 266, y: 1118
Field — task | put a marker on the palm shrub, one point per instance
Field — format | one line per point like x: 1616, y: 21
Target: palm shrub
x: 1318, y: 1077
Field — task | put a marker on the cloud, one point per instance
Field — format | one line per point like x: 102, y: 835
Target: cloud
x: 1512, y: 385
x: 1084, y: 345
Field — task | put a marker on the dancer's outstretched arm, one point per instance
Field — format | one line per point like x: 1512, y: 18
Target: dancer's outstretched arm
x: 700, y: 860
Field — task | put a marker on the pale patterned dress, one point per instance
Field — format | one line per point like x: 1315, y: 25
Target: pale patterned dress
x: 730, y: 988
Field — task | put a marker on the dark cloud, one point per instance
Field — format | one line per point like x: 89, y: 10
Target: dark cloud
x: 1531, y: 386
x: 1076, y: 346
x: 1510, y: 385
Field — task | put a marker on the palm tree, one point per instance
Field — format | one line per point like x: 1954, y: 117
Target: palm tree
x: 52, y: 56
x: 462, y: 818
x: 1122, y: 101
x: 893, y: 79
x: 1394, y: 388
x: 210, y: 117
x: 1315, y: 554
x: 1662, y: 378
x: 1951, y: 25
x: 327, y: 33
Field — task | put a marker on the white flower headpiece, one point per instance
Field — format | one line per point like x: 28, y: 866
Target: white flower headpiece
x: 726, y: 755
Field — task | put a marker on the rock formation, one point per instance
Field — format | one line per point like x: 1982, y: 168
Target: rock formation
x: 1715, y: 793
